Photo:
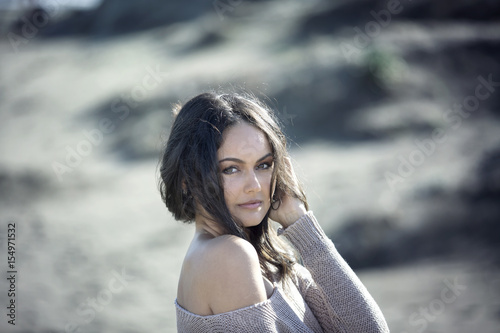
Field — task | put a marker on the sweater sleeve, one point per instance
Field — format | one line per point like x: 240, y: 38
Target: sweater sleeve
x: 333, y: 292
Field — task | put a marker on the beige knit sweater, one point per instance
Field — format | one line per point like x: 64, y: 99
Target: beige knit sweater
x: 325, y: 296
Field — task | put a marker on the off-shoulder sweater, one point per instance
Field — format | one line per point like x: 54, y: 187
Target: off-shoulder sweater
x: 324, y: 295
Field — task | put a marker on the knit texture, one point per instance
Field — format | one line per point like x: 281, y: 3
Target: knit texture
x: 325, y: 295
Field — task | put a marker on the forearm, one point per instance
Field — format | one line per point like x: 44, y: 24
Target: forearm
x: 342, y: 290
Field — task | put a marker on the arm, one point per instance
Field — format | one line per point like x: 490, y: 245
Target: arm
x: 335, y: 294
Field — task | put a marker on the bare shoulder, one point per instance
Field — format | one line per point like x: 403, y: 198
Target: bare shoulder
x: 235, y: 276
x: 228, y: 275
x: 230, y: 252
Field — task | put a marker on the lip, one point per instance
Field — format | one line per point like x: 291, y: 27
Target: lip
x: 251, y: 204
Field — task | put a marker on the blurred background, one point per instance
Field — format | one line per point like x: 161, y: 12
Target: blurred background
x: 391, y: 107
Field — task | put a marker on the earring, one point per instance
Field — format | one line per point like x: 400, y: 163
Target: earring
x: 186, y: 194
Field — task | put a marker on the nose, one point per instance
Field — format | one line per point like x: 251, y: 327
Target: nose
x: 252, y: 183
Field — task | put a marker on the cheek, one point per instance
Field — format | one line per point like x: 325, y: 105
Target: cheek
x: 265, y: 183
x: 230, y: 189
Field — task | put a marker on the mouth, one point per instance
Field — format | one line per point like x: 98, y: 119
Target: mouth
x: 251, y: 204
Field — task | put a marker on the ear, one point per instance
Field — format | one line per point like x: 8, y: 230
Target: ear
x: 273, y: 187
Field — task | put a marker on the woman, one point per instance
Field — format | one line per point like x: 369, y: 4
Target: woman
x: 226, y: 168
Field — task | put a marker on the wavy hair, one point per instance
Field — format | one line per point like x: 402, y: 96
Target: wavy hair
x: 190, y: 174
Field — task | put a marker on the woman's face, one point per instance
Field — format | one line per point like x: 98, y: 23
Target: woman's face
x: 246, y: 163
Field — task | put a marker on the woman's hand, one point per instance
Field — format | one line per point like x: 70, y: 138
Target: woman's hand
x: 290, y: 209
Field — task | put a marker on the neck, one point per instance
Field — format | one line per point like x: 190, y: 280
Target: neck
x: 205, y: 226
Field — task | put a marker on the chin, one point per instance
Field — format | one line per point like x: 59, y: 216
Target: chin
x: 252, y: 223
x: 251, y: 220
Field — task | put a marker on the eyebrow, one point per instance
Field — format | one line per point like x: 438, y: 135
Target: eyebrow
x: 243, y: 162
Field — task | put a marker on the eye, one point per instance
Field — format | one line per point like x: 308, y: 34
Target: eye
x: 265, y: 165
x: 230, y: 170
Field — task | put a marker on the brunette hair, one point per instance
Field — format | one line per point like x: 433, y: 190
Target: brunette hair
x: 190, y: 173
